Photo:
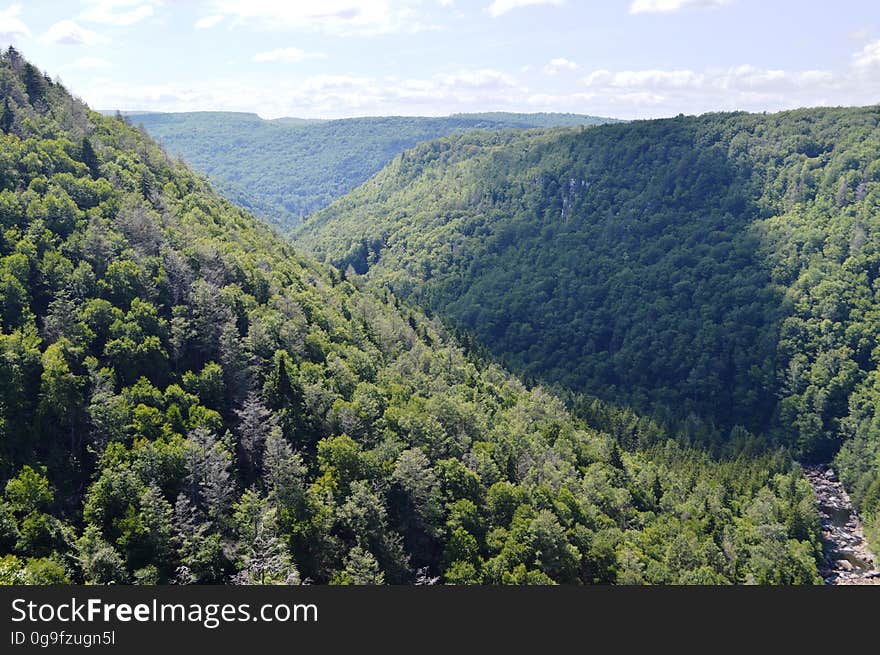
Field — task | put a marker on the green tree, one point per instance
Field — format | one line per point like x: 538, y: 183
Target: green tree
x: 361, y: 568
x: 7, y: 117
x: 90, y: 158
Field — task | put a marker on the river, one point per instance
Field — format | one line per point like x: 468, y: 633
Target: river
x: 848, y: 560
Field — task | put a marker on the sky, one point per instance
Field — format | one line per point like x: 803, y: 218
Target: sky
x: 339, y: 58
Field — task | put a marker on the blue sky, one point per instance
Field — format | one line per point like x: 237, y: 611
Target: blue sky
x: 336, y: 58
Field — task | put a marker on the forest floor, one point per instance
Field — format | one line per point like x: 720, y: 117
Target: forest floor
x: 848, y: 560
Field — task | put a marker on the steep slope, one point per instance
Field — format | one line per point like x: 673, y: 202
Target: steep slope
x: 724, y: 266
x: 184, y: 398
x: 285, y: 169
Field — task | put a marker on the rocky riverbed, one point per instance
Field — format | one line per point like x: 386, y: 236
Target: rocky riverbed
x: 847, y: 557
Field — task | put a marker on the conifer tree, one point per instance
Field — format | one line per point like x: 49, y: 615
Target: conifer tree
x: 7, y: 118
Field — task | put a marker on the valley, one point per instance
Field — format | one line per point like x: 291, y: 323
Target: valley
x: 715, y: 273
x: 188, y: 399
x: 552, y: 350
x: 284, y: 169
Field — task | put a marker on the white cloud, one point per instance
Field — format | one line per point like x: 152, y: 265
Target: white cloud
x: 320, y: 96
x: 500, y: 7
x: 118, y: 12
x: 869, y: 56
x: 11, y: 26
x: 644, y: 78
x: 559, y: 65
x: 656, y: 92
x: 365, y: 17
x: 750, y: 77
x: 743, y: 77
x: 207, y: 22
x: 91, y: 63
x: 651, y: 92
x: 483, y: 78
x: 68, y: 32
x: 287, y: 55
x: 666, y: 6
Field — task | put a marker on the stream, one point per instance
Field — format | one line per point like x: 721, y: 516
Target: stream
x: 847, y: 557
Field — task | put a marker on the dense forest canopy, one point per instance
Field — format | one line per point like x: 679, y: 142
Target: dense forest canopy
x: 282, y: 170
x: 184, y: 398
x: 723, y: 267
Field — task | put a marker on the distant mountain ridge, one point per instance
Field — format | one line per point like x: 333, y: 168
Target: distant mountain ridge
x: 287, y: 168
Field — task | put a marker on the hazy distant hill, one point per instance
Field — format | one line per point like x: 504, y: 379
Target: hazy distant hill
x: 287, y: 168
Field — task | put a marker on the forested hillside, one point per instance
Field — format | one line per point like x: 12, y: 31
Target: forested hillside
x: 283, y: 170
x: 718, y: 270
x: 183, y: 398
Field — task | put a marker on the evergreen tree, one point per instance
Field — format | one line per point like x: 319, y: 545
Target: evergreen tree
x: 208, y: 478
x: 90, y: 158
x: 284, y: 472
x: 361, y: 568
x: 35, y: 85
x: 255, y: 423
x: 264, y: 559
x: 7, y: 118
